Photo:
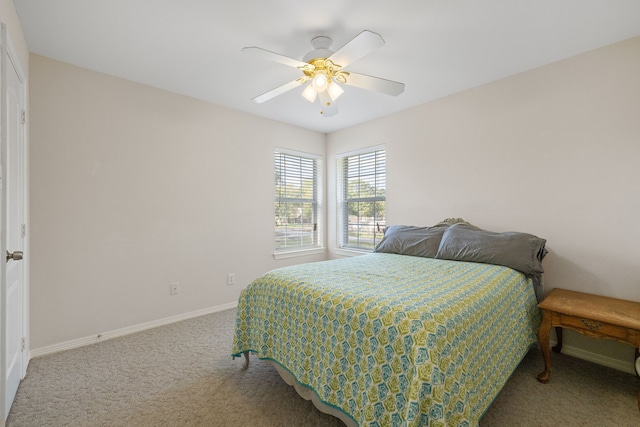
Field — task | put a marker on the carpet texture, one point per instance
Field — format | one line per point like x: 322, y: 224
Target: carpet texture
x: 182, y: 375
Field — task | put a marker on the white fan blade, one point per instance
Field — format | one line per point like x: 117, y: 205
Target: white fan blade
x: 272, y: 56
x: 377, y: 84
x: 361, y: 45
x: 278, y: 91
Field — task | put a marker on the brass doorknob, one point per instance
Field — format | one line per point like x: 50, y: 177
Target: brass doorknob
x: 16, y: 256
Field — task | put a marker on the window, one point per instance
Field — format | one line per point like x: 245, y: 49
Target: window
x: 298, y: 207
x: 361, y: 199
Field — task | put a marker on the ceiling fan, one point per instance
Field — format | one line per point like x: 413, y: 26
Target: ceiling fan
x: 323, y: 71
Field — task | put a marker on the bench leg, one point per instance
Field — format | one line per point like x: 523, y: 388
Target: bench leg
x: 638, y: 372
x: 558, y: 347
x: 543, y: 340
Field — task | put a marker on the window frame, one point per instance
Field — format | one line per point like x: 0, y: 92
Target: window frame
x: 342, y: 215
x: 317, y: 245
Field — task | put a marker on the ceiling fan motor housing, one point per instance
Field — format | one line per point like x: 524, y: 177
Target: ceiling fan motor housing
x: 321, y: 48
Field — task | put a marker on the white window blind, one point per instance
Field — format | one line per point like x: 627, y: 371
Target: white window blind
x: 361, y: 199
x: 298, y: 207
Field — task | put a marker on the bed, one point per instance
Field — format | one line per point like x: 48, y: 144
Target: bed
x: 397, y: 338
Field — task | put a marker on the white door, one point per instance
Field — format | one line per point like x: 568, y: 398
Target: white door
x: 13, y: 294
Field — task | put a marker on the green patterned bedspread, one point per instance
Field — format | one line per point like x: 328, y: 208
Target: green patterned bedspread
x: 393, y: 340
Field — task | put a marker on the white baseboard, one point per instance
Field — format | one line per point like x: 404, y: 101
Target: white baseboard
x: 610, y: 362
x: 81, y: 342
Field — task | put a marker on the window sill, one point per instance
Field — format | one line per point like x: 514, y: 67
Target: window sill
x: 350, y: 252
x: 299, y: 253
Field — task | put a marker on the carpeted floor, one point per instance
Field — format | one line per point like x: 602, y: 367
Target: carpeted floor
x: 182, y: 375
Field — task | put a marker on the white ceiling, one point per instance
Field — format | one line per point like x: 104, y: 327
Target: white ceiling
x: 435, y: 47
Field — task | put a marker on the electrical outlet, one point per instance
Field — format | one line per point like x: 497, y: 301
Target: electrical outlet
x: 174, y: 288
x: 231, y: 279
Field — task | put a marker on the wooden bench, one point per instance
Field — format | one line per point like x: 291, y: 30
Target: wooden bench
x: 591, y: 315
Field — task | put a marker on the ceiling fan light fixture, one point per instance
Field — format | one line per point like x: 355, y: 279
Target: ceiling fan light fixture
x: 320, y: 82
x: 334, y: 90
x: 309, y: 93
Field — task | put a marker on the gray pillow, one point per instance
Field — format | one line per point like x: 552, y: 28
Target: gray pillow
x: 520, y: 251
x: 411, y: 240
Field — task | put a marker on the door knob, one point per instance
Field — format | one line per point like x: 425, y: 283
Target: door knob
x: 16, y: 256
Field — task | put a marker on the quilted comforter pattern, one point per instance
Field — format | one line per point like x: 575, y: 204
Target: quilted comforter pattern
x: 393, y: 340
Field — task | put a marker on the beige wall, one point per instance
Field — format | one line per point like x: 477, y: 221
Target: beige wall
x: 133, y: 188
x: 553, y: 152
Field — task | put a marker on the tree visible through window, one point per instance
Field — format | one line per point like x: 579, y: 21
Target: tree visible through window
x: 297, y: 202
x: 362, y: 199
